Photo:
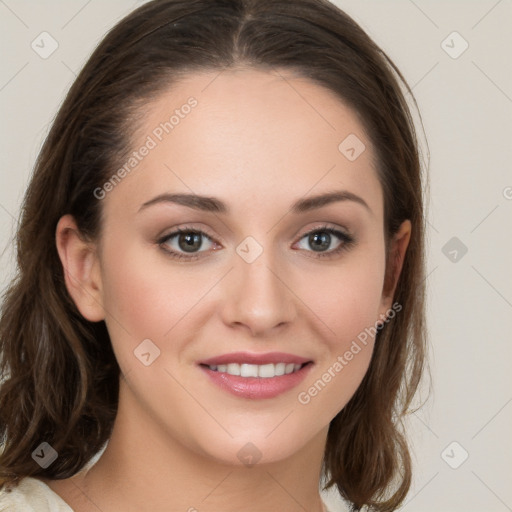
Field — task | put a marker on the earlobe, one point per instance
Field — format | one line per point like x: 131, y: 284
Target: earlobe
x: 81, y: 269
x: 397, y: 251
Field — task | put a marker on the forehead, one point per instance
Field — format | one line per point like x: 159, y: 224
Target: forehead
x: 252, y: 137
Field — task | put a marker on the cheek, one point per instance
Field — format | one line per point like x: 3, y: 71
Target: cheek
x: 145, y: 298
x: 348, y: 299
x: 130, y: 296
x: 347, y: 302
x: 139, y: 301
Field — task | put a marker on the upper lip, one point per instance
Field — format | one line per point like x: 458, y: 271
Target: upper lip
x: 252, y: 358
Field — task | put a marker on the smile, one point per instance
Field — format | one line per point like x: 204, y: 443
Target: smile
x: 263, y: 371
x: 256, y: 376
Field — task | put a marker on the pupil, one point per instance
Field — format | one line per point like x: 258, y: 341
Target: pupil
x: 323, y: 238
x: 192, y: 241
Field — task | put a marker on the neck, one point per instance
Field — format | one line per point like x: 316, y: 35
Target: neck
x: 143, y: 464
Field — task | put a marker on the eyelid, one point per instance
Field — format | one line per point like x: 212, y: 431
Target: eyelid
x: 326, y: 225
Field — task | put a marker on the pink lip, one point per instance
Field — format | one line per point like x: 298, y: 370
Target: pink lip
x: 251, y: 358
x: 256, y: 387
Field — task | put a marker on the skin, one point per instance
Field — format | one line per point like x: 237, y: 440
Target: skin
x: 259, y: 141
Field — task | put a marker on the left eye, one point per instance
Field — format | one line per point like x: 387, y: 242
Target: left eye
x: 323, y: 237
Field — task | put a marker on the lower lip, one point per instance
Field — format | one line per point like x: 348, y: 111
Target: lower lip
x: 257, y: 388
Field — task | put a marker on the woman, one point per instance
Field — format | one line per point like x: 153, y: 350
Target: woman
x: 220, y: 296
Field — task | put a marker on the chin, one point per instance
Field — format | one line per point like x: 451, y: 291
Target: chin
x: 258, y: 446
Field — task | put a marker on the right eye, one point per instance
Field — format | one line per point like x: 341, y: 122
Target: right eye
x: 184, y: 243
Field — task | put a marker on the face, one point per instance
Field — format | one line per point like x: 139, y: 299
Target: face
x: 261, y: 281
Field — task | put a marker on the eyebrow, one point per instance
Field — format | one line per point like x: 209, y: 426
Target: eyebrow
x: 215, y: 205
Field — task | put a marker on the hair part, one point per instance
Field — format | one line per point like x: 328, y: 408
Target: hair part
x: 61, y: 377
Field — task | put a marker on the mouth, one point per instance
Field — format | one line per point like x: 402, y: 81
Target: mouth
x: 256, y: 376
x: 263, y: 371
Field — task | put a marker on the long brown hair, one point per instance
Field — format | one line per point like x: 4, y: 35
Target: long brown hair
x: 60, y: 376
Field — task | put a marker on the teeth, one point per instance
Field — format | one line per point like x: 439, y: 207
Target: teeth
x: 280, y: 368
x: 246, y: 370
x: 264, y: 371
x: 267, y: 370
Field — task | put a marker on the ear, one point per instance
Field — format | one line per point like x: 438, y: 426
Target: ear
x: 397, y: 250
x: 81, y: 269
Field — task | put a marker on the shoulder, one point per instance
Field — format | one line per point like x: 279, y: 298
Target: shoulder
x: 31, y: 495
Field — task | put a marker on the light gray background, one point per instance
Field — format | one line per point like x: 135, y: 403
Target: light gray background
x: 466, y: 104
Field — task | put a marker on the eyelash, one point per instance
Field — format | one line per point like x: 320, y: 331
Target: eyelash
x: 348, y: 242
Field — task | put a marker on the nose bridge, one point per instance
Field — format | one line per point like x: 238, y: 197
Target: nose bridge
x: 258, y: 297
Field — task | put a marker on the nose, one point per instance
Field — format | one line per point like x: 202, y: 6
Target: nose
x: 257, y: 297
